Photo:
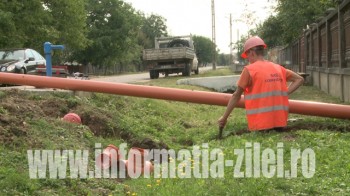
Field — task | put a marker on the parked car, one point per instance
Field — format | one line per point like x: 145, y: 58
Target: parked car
x: 20, y: 60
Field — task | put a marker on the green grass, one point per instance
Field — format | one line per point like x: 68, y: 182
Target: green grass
x: 31, y: 120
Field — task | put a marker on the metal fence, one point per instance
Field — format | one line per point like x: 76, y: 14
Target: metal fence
x: 323, y: 52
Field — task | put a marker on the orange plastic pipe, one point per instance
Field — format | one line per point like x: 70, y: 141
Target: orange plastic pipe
x: 211, y: 98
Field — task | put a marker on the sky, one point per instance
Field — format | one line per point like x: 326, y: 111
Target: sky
x: 194, y: 17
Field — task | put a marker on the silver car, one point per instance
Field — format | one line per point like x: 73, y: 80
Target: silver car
x: 21, y: 60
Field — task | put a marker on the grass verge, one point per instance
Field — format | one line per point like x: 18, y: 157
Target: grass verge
x: 30, y: 120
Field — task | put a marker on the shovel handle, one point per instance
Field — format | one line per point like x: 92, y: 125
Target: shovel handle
x: 220, y: 132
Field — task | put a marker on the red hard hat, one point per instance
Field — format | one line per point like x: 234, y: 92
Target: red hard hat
x: 72, y: 117
x: 251, y: 43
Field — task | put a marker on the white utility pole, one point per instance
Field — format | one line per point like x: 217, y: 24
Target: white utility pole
x: 213, y: 33
x: 230, y: 39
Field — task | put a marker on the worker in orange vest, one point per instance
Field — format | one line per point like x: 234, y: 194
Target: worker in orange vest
x: 264, y: 85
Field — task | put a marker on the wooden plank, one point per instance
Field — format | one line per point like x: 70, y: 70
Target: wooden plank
x: 168, y: 54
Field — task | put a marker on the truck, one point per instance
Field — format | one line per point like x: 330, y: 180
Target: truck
x: 175, y: 54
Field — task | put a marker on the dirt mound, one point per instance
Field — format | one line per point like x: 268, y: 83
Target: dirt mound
x: 54, y: 108
x: 99, y: 122
x: 18, y: 108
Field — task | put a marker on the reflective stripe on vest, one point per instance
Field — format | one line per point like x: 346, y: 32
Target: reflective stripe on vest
x: 267, y: 109
x: 264, y: 95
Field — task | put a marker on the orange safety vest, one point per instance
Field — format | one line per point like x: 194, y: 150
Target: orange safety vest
x: 266, y: 99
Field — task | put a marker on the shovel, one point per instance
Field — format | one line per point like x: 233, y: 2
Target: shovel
x: 220, y: 132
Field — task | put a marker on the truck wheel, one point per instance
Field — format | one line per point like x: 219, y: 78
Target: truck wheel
x: 187, y: 70
x: 197, y: 70
x: 153, y: 74
x: 156, y: 74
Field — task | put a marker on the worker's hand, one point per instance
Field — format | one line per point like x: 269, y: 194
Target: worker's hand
x: 222, y: 121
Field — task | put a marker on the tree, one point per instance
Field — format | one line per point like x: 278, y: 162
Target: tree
x: 113, y: 27
x: 31, y: 23
x: 8, y: 36
x: 224, y: 59
x: 271, y: 31
x: 152, y: 27
x: 239, y: 45
x: 285, y: 27
x: 103, y: 33
x: 204, y: 49
x: 302, y: 12
x: 23, y: 24
x: 292, y: 17
x: 67, y: 26
x: 69, y: 21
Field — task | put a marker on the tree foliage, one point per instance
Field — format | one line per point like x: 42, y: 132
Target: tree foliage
x: 204, y: 49
x: 112, y: 31
x: 270, y: 30
x: 101, y: 33
x: 301, y: 12
x: 223, y: 59
x: 287, y: 25
x: 152, y: 26
x: 21, y: 22
x: 68, y: 19
x: 292, y: 17
x: 31, y: 23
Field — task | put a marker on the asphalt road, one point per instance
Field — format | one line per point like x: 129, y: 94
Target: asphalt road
x: 129, y: 78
